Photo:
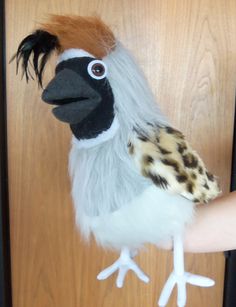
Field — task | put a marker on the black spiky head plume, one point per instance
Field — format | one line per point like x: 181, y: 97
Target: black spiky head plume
x: 40, y: 45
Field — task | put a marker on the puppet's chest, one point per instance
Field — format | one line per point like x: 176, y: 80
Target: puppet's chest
x: 104, y: 181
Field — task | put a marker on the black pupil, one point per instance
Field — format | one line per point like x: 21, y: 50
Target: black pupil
x: 98, y: 69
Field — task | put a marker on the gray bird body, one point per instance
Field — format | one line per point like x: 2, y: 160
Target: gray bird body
x: 135, y: 179
x: 115, y: 203
x: 114, y: 199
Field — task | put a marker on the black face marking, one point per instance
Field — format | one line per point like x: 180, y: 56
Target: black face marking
x: 181, y: 178
x: 206, y: 186
x: 196, y: 200
x: 86, y: 103
x: 171, y: 163
x: 193, y: 176
x: 147, y: 160
x: 210, y: 176
x: 190, y: 160
x: 163, y: 150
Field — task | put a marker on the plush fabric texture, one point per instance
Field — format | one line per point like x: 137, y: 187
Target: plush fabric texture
x: 85, y: 103
x: 60, y: 34
x: 113, y: 200
x: 119, y: 206
x: 137, y: 181
x: 100, y: 138
x: 87, y: 33
x: 164, y: 156
x: 73, y: 53
x: 154, y: 216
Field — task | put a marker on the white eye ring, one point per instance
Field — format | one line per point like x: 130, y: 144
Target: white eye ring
x: 92, y: 72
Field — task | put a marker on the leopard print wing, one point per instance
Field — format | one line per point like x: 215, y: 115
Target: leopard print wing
x: 168, y: 160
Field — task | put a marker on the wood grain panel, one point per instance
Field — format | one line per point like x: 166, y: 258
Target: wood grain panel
x: 188, y: 52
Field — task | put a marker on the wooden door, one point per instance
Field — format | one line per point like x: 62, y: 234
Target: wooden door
x: 188, y: 52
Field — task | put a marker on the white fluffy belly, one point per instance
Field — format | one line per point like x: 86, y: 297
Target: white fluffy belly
x: 152, y: 217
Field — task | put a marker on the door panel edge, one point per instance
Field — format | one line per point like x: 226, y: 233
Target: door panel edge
x: 5, y: 261
x: 229, y: 298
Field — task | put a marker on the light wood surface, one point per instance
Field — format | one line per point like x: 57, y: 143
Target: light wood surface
x: 188, y: 52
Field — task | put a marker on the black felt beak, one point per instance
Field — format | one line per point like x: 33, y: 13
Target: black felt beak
x: 74, y: 97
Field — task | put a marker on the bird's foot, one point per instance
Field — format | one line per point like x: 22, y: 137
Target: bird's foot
x: 123, y: 265
x: 180, y: 281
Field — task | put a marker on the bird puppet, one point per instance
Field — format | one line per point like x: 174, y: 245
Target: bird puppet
x: 135, y: 179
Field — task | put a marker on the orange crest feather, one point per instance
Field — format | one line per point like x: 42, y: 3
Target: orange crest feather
x: 87, y: 33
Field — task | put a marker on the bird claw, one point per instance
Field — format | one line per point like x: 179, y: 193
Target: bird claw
x: 123, y: 265
x: 181, y: 281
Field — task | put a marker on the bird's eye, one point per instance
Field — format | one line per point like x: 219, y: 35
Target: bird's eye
x: 97, y: 69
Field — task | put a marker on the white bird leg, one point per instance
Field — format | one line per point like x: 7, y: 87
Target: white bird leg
x: 123, y: 264
x: 179, y: 277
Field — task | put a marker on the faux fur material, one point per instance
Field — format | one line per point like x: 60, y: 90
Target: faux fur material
x: 112, y: 200
x: 153, y: 217
x: 169, y: 160
x: 134, y: 101
x: 87, y: 33
x: 73, y: 53
x: 101, y: 138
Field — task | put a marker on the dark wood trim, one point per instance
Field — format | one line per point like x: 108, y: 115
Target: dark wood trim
x: 5, y: 262
x: 230, y: 265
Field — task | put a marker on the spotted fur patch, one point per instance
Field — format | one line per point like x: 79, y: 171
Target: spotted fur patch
x: 172, y: 163
x: 147, y: 160
x: 200, y: 170
x: 163, y: 150
x: 210, y: 176
x: 175, y: 132
x: 159, y: 180
x: 190, y: 160
x: 182, y: 178
x: 181, y: 147
x: 190, y: 187
x: 168, y: 160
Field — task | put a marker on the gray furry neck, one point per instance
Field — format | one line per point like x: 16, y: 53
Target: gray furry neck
x: 104, y: 177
